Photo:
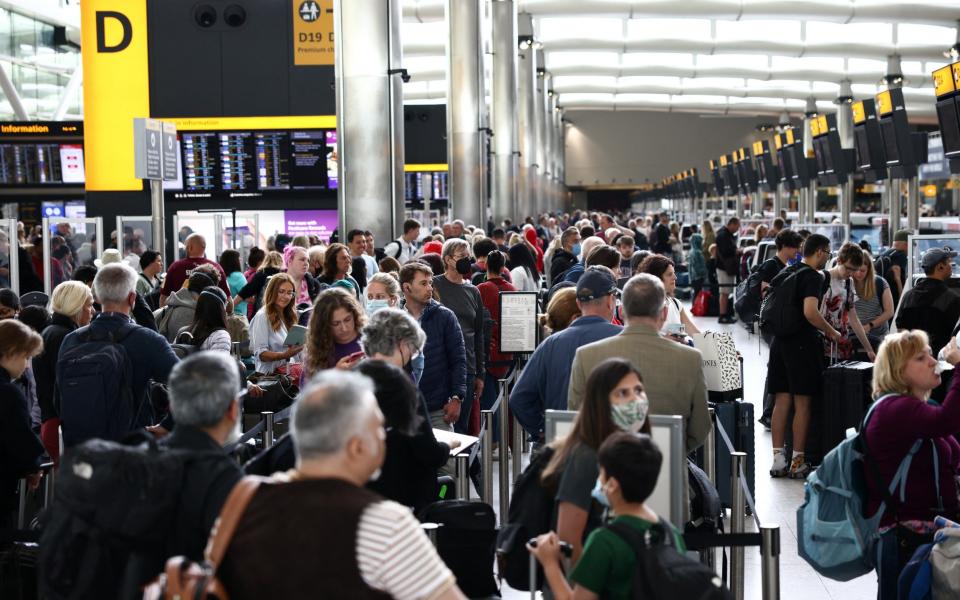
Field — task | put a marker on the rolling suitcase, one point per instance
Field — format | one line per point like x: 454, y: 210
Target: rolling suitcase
x: 466, y: 541
x: 736, y: 418
x: 846, y: 394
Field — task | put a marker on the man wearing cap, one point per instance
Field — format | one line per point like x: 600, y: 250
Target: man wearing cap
x: 895, y: 264
x: 544, y: 381
x: 930, y: 305
x: 672, y: 373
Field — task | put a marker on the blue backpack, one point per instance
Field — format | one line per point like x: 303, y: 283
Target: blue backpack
x: 95, y: 380
x: 833, y: 535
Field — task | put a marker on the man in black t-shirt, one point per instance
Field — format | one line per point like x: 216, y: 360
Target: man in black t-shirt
x: 788, y: 244
x: 796, y: 362
x: 898, y: 264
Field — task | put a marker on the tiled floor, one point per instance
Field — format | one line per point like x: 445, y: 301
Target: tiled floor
x: 777, y: 501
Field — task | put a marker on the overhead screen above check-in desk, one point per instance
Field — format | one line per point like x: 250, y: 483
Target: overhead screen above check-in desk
x: 268, y: 163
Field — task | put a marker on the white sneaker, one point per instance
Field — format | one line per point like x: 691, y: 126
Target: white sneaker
x: 780, y: 466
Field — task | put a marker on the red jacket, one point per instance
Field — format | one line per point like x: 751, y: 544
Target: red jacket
x: 490, y: 295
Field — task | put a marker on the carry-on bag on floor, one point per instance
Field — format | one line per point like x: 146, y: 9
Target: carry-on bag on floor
x: 847, y: 393
x: 466, y: 541
x: 737, y: 420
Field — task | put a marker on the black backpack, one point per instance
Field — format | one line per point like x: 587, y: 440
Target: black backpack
x: 706, y: 513
x: 95, y: 379
x: 662, y: 572
x: 883, y: 266
x: 530, y: 514
x: 781, y: 312
x: 108, y: 531
x: 746, y: 297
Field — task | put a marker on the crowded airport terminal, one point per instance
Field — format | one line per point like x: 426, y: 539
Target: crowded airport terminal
x: 450, y: 299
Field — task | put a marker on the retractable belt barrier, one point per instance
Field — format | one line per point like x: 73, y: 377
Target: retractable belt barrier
x: 768, y: 538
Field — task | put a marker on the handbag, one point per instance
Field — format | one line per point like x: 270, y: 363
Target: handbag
x: 701, y: 304
x: 721, y: 368
x: 945, y: 563
x: 183, y: 578
x: 279, y: 392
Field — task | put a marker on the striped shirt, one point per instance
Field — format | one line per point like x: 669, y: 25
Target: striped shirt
x: 868, y: 310
x: 395, y: 556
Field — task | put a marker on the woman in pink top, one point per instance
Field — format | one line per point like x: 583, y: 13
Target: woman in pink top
x: 904, y: 374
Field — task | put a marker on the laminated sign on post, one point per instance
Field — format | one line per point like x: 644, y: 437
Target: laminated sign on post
x: 170, y: 152
x: 518, y: 322
x: 147, y: 148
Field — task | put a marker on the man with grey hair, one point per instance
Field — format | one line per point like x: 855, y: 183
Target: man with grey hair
x: 317, y: 528
x: 146, y: 356
x: 672, y: 373
x: 393, y: 336
x: 455, y: 291
x: 204, y: 400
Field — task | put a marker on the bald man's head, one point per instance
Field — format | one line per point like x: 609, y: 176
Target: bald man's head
x: 196, y: 245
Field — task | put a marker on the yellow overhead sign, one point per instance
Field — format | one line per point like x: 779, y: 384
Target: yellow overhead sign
x: 757, y: 148
x: 789, y: 134
x: 313, y: 41
x: 822, y: 123
x: 723, y: 160
x: 426, y: 168
x: 884, y: 103
x: 943, y: 82
x: 859, y: 116
x: 116, y: 89
x: 815, y: 127
x: 777, y: 141
x: 254, y: 123
x: 956, y: 74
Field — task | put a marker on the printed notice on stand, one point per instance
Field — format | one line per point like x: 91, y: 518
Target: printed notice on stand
x: 518, y: 322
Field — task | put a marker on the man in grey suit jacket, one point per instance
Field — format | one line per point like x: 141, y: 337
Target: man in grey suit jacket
x: 672, y: 372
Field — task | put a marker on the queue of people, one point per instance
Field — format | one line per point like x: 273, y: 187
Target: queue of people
x: 384, y: 350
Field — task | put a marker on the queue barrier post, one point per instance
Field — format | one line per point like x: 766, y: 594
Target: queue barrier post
x: 737, y: 523
x: 49, y: 484
x: 267, y: 429
x: 708, y: 556
x: 504, y: 444
x: 486, y: 455
x: 463, y: 476
x: 770, y: 560
x: 517, y: 448
x: 22, y: 507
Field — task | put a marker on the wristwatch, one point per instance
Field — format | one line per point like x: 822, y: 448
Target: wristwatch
x: 457, y: 398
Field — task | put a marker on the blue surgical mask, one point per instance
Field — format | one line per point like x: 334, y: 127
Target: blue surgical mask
x: 599, y: 495
x: 375, y: 305
x: 576, y: 249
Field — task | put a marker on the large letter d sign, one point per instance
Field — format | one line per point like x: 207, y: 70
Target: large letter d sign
x: 124, y: 22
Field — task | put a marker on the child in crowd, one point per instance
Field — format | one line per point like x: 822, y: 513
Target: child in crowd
x: 696, y: 264
x: 629, y: 466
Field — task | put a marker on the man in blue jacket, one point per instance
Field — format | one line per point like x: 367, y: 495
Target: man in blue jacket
x: 150, y: 356
x: 543, y: 382
x: 444, y: 379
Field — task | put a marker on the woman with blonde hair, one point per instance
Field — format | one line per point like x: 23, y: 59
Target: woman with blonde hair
x: 874, y: 301
x: 561, y: 310
x: 709, y: 235
x: 903, y: 428
x: 71, y: 304
x: 333, y: 336
x: 268, y: 330
x: 383, y: 291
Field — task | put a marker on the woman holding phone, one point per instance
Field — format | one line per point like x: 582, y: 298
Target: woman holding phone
x: 268, y: 330
x: 333, y: 335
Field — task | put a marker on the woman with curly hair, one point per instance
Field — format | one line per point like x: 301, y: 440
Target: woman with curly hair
x: 268, y: 330
x: 333, y: 336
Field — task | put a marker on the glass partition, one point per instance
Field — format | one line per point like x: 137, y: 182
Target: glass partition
x: 836, y: 232
x: 220, y: 231
x: 134, y: 236
x: 69, y: 244
x: 9, y: 264
x: 918, y: 244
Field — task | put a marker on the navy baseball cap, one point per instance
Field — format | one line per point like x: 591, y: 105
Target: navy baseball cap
x: 595, y: 283
x: 935, y: 256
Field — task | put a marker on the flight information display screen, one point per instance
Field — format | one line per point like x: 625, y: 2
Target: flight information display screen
x: 414, y: 190
x: 30, y: 165
x: 257, y: 163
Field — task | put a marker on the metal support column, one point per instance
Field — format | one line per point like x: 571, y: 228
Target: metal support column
x: 812, y: 202
x: 527, y: 121
x: 548, y: 133
x: 846, y: 200
x: 66, y: 100
x: 777, y: 200
x: 770, y: 560
x: 486, y: 455
x: 894, y: 204
x: 369, y: 115
x: 13, y: 96
x: 158, y: 222
x: 503, y: 200
x: 740, y: 203
x: 737, y: 524
x: 913, y: 204
x: 503, y: 446
x: 540, y: 103
x: 465, y: 93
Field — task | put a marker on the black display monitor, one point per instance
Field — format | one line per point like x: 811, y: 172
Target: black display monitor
x: 834, y: 163
x: 716, y: 176
x: 870, y: 154
x: 903, y: 150
x: 783, y: 161
x: 767, y: 172
x: 749, y: 180
x: 414, y: 190
x: 41, y: 154
x: 948, y: 109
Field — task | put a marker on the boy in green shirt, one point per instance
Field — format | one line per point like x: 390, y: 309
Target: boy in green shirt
x: 629, y: 466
